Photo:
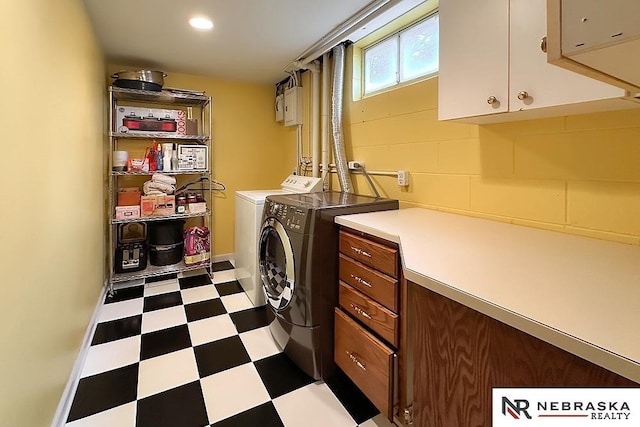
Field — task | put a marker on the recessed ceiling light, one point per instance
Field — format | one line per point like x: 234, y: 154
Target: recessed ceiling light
x: 201, y: 23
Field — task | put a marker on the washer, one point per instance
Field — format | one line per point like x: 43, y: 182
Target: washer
x: 298, y: 262
x: 249, y: 206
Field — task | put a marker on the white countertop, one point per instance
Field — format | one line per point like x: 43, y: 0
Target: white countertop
x: 578, y: 293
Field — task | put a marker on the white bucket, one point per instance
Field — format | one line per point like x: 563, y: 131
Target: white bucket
x: 120, y: 159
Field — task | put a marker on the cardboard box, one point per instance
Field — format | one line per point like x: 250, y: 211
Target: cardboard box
x: 197, y: 207
x: 138, y: 165
x: 147, y: 205
x: 150, y: 115
x: 127, y: 212
x: 129, y: 196
x: 157, y: 205
x: 193, y: 157
x: 165, y: 205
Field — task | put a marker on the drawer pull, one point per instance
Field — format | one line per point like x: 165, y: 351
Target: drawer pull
x: 360, y: 280
x: 361, y: 252
x: 360, y: 311
x: 355, y: 360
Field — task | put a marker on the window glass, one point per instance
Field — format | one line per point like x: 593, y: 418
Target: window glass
x: 381, y: 65
x: 419, y: 49
x: 403, y: 56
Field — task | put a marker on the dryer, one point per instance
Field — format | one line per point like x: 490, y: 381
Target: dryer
x: 249, y: 206
x: 298, y: 262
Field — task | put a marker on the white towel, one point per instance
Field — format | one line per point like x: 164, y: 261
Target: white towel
x: 150, y: 188
x: 165, y: 179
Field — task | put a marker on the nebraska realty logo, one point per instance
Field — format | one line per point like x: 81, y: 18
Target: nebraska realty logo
x: 566, y: 406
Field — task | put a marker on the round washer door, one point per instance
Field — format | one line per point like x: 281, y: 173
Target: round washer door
x: 276, y: 263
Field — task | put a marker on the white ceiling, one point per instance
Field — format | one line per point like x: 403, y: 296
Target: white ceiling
x: 252, y: 40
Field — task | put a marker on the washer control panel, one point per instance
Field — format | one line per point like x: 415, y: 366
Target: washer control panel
x: 291, y: 217
x: 302, y: 184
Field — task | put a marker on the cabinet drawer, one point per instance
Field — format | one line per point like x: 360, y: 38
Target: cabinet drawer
x: 366, y: 360
x: 373, y: 254
x: 373, y: 315
x: 381, y: 288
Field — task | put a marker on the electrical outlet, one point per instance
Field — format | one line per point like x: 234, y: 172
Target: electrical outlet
x: 403, y: 178
x: 355, y: 164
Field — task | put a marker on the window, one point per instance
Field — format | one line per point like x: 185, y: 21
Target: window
x: 403, y: 56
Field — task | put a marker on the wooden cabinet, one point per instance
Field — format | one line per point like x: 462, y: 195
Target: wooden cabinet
x: 459, y: 355
x: 374, y: 316
x: 377, y: 285
x: 367, y: 324
x: 366, y: 360
x: 491, y: 62
x: 373, y: 254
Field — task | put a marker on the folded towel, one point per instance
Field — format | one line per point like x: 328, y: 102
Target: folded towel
x: 150, y: 188
x: 165, y: 179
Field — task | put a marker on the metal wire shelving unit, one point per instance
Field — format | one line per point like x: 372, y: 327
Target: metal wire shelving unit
x: 171, y: 99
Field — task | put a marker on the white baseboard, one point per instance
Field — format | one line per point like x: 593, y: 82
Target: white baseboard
x: 223, y: 257
x: 64, y: 406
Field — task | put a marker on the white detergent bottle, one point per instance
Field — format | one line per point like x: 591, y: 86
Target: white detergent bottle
x: 174, y: 158
x: 167, y: 150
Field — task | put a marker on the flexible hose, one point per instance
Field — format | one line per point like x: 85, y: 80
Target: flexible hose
x: 344, y: 177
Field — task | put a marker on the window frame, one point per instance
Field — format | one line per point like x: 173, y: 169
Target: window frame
x: 395, y: 35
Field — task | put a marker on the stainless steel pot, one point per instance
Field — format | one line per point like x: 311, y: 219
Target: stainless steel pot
x: 140, y: 79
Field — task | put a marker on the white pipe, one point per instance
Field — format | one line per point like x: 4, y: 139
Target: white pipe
x: 315, y: 119
x: 336, y: 35
x: 332, y: 169
x: 299, y: 148
x: 324, y: 128
x: 370, y: 18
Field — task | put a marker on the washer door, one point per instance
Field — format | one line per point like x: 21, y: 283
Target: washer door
x: 275, y: 259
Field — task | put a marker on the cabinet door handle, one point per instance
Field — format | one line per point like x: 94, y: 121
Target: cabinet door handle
x: 360, y: 311
x: 492, y: 100
x: 522, y: 95
x: 543, y: 44
x: 361, y: 252
x: 355, y: 360
x: 360, y: 280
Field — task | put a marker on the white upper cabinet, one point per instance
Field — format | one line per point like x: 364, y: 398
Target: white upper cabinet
x: 547, y: 85
x: 474, y: 58
x: 493, y: 68
x: 600, y: 39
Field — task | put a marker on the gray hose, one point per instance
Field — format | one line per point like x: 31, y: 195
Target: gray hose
x: 373, y: 187
x: 342, y: 167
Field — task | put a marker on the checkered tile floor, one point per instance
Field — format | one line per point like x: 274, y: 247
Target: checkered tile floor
x: 186, y: 351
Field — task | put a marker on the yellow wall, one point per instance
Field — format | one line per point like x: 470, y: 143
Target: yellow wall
x: 250, y: 150
x: 52, y: 225
x: 575, y: 174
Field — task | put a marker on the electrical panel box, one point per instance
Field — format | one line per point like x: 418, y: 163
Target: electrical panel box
x: 293, y: 106
x: 279, y: 106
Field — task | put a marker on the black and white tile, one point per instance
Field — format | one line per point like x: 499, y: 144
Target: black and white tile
x: 187, y: 351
